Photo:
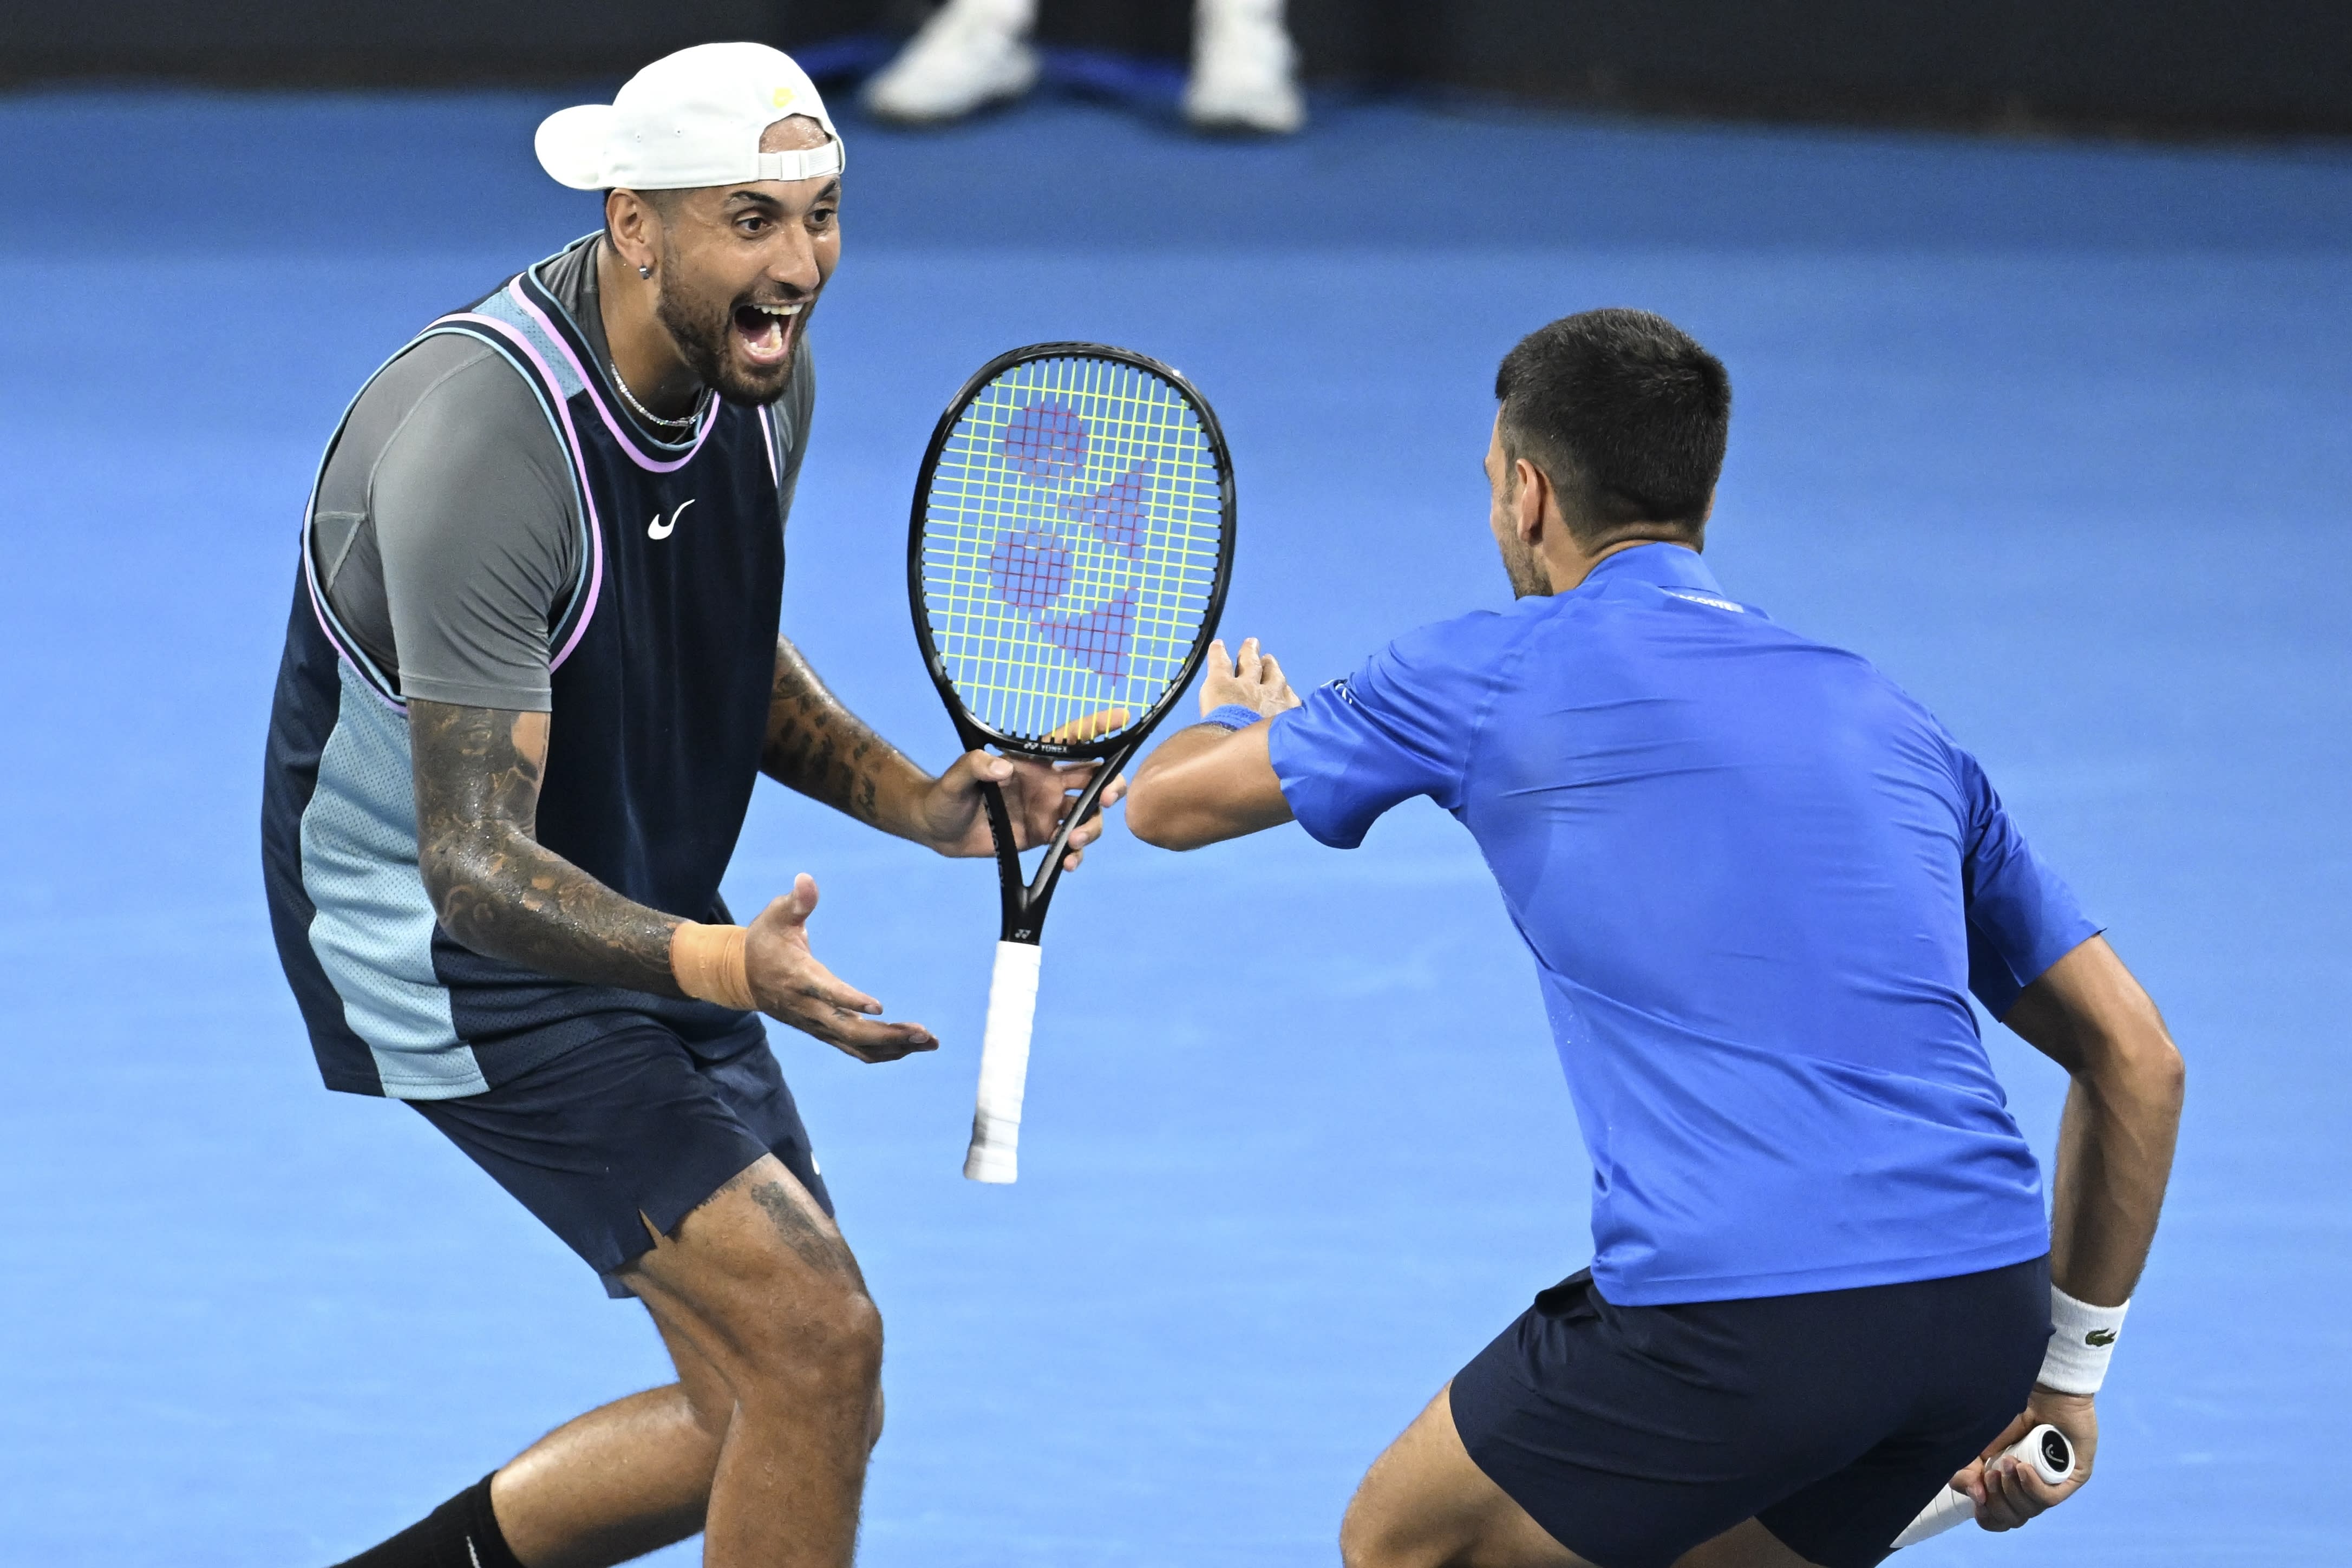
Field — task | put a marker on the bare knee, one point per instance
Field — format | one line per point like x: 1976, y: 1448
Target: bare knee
x: 813, y: 1338
x: 1360, y: 1545
x: 1368, y: 1538
x: 785, y: 1344
x: 760, y: 1286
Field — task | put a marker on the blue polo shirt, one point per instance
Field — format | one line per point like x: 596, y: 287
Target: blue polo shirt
x: 1760, y: 883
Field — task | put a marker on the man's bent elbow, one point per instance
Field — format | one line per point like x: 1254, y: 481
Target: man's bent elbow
x: 2157, y: 1069
x: 441, y: 866
x: 456, y: 868
x: 1149, y: 819
x: 2148, y: 1073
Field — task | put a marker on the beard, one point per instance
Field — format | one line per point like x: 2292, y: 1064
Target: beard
x: 703, y: 331
x: 1529, y: 579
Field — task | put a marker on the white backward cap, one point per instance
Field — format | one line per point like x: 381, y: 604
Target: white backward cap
x: 691, y: 119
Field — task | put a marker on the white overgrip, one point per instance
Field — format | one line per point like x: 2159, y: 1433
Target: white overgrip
x: 1003, y: 1064
x: 2043, y: 1450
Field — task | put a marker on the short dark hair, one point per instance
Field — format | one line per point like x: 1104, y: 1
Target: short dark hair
x: 1626, y: 415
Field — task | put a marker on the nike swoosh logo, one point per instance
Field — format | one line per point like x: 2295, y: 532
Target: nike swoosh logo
x: 658, y: 529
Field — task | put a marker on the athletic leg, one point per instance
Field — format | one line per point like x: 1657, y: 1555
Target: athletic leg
x: 703, y: 1156
x: 758, y: 1284
x: 625, y: 1479
x: 622, y: 1480
x: 1426, y: 1504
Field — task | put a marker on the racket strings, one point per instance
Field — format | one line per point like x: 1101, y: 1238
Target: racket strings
x: 1072, y: 536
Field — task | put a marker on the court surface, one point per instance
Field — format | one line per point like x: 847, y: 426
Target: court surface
x: 2057, y: 435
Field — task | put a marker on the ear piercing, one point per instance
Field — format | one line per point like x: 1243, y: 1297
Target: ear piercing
x: 644, y: 271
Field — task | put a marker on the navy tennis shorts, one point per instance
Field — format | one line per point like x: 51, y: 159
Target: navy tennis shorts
x: 1633, y: 1434
x: 634, y: 1124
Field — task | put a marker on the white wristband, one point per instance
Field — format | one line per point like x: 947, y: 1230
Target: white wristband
x: 2082, y: 1340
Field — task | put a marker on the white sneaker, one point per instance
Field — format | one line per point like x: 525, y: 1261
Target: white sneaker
x: 966, y: 58
x: 1244, y: 71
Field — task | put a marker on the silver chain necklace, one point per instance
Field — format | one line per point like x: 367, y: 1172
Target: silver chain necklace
x: 648, y: 414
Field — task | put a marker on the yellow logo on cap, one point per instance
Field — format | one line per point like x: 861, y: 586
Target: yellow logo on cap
x: 783, y: 96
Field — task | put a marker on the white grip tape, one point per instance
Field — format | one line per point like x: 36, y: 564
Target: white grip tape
x: 1003, y: 1064
x: 2045, y: 1448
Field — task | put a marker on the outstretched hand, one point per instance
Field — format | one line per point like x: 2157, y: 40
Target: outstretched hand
x: 1250, y: 679
x: 793, y: 988
x: 2008, y: 1492
x: 1037, y: 795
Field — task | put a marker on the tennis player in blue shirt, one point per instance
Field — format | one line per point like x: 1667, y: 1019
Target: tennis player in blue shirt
x: 1760, y: 883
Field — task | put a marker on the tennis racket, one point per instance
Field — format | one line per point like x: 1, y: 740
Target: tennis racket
x: 1073, y: 532
x: 2045, y: 1448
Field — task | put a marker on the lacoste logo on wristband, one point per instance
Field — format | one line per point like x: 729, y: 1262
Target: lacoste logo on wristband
x: 2100, y: 1337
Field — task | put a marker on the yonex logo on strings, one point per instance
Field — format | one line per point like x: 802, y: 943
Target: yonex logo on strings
x: 1032, y: 567
x: 658, y: 529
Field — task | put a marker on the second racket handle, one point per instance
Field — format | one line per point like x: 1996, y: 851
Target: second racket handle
x: 1003, y: 1064
x: 2045, y: 1448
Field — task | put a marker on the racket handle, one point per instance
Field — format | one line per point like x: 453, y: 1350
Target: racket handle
x: 1003, y: 1064
x: 2045, y: 1448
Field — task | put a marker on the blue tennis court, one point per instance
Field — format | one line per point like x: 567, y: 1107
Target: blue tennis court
x: 2056, y: 435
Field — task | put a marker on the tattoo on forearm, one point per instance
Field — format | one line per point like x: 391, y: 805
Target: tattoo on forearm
x: 822, y: 750
x: 493, y: 886
x: 819, y: 1248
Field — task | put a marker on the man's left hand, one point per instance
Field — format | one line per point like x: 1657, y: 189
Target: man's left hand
x: 1250, y: 679
x: 1037, y: 795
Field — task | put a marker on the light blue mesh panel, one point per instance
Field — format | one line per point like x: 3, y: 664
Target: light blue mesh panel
x: 374, y: 930
x: 501, y: 307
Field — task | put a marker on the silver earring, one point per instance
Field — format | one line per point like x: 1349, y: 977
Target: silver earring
x: 644, y: 271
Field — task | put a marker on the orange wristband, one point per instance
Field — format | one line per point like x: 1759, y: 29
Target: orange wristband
x: 709, y: 965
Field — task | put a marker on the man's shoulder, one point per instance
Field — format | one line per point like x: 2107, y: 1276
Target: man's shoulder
x: 426, y: 366
x: 1475, y: 641
x: 1443, y: 667
x: 462, y: 452
x: 463, y: 394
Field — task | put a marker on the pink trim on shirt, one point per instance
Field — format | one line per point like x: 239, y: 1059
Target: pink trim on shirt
x: 587, y: 496
x: 628, y: 444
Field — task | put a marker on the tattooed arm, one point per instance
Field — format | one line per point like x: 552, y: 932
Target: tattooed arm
x: 822, y: 750
x: 495, y: 887
x: 499, y: 891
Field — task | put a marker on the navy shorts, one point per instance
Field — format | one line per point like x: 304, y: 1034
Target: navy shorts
x: 1633, y: 1434
x: 634, y: 1124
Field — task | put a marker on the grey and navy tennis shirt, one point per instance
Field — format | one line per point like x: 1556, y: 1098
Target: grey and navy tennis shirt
x: 492, y: 528
x: 1760, y: 883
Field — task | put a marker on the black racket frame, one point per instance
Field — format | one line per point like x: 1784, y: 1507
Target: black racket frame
x: 1023, y: 899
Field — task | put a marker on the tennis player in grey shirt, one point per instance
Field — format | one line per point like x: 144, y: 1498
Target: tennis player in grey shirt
x: 447, y: 524
x: 525, y: 699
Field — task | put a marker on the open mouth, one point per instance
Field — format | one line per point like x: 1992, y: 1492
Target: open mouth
x: 765, y: 332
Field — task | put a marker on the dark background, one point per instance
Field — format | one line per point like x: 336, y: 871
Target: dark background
x: 2169, y: 68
